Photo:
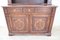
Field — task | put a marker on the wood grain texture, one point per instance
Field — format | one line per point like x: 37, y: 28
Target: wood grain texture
x: 35, y: 20
x: 40, y: 23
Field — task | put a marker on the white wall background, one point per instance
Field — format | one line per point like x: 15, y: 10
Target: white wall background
x: 54, y: 2
x: 2, y: 17
x: 57, y: 15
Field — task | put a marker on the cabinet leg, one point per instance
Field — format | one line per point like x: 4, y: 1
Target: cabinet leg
x: 11, y: 34
x: 49, y: 34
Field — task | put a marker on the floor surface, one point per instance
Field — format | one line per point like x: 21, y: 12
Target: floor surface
x: 55, y: 35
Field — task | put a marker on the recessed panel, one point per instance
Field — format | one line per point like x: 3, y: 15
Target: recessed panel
x: 19, y: 23
x: 29, y: 1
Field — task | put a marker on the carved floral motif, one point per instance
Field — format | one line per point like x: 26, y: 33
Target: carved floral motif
x: 19, y: 23
x: 39, y: 23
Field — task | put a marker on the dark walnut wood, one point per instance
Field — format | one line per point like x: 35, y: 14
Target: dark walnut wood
x: 29, y: 19
x: 27, y: 1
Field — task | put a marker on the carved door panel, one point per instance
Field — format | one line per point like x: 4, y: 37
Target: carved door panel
x: 39, y: 23
x: 19, y: 23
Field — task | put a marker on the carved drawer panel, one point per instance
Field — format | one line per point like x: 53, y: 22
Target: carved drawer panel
x: 40, y: 23
x: 27, y: 10
x: 19, y: 23
x: 15, y: 10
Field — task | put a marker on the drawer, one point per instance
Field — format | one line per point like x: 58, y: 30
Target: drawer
x: 33, y: 10
x: 21, y: 10
x: 14, y: 10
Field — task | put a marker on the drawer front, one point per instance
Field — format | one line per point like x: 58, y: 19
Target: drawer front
x: 31, y: 10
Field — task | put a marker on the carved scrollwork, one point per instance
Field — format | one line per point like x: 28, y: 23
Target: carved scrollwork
x: 39, y: 23
x: 30, y: 10
x: 19, y: 23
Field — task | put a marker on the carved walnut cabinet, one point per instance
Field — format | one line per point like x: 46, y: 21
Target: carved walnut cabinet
x: 29, y: 19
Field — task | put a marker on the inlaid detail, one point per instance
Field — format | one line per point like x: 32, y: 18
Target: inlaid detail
x: 14, y: 10
x: 20, y: 23
x: 18, y: 10
x: 39, y: 24
x: 31, y: 10
x: 28, y: 10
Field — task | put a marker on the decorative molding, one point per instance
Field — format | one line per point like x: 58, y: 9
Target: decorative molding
x: 20, y: 23
x: 39, y: 24
x: 38, y: 10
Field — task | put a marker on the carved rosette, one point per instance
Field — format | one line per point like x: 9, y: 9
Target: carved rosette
x: 19, y: 23
x: 39, y: 23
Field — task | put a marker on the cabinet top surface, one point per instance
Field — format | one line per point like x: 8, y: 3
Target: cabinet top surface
x: 43, y: 5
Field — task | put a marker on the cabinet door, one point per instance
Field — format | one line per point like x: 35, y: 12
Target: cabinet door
x: 39, y: 23
x: 18, y: 23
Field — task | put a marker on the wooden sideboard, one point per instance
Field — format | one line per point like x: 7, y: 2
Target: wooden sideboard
x: 29, y: 19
